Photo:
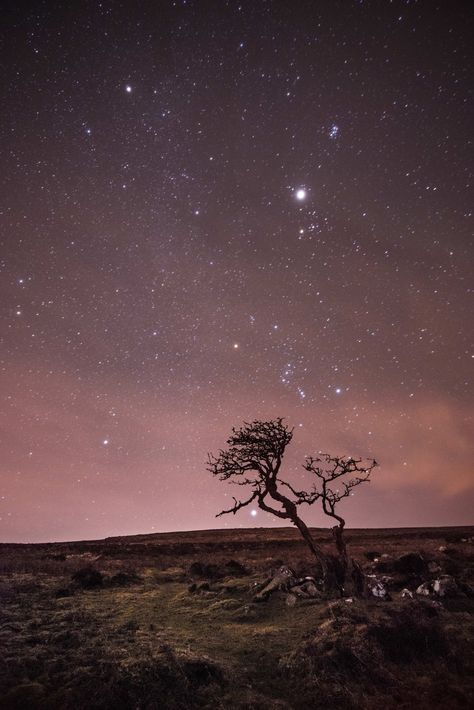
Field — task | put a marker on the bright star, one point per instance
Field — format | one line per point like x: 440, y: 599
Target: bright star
x: 253, y: 513
x: 301, y: 194
x: 128, y: 89
x: 105, y: 442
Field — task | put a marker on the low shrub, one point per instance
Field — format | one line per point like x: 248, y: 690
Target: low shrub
x: 88, y: 578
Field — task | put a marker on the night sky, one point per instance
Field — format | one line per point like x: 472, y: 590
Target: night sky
x: 213, y: 212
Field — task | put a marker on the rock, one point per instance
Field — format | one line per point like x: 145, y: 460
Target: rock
x: 442, y: 548
x: 433, y: 567
x: 281, y: 580
x: 290, y: 600
x: 349, y: 600
x: 378, y: 589
x: 371, y: 555
x: 306, y: 590
x: 406, y: 594
x: 424, y: 589
x: 445, y: 586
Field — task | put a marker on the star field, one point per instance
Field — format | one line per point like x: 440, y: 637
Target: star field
x: 219, y: 211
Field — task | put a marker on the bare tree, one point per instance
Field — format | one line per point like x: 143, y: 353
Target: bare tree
x: 348, y: 473
x: 253, y: 458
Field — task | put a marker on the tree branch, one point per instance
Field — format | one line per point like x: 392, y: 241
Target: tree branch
x: 238, y: 505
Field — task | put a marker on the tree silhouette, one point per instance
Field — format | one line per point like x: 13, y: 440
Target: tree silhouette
x: 253, y: 458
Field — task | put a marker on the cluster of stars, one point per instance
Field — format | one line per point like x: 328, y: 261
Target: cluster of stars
x: 231, y: 214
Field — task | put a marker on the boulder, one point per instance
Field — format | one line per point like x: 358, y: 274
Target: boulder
x: 424, y: 589
x: 377, y: 588
x: 445, y: 586
x: 306, y: 589
x: 280, y: 581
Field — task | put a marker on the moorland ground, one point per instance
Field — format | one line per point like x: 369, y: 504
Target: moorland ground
x: 169, y: 621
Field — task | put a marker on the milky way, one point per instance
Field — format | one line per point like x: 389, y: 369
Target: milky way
x: 219, y: 211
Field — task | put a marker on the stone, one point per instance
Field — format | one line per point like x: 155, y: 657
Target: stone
x: 424, y: 589
x: 307, y: 589
x: 445, y: 586
x: 378, y: 590
x: 280, y: 581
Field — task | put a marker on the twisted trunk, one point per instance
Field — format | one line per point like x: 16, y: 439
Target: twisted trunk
x: 352, y: 576
x: 291, y: 513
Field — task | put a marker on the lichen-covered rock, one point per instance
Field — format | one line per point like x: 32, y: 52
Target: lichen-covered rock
x: 424, y: 590
x: 445, y: 586
x: 280, y: 581
x: 377, y: 588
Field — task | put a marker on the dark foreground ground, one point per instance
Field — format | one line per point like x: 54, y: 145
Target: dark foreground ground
x: 168, y: 621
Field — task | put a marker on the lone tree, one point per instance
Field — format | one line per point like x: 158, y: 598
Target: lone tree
x: 253, y: 458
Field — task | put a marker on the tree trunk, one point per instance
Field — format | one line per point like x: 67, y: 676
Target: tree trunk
x: 352, y: 578
x: 292, y: 514
x: 311, y: 544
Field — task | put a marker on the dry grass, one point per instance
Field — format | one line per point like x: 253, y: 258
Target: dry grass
x: 145, y: 641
